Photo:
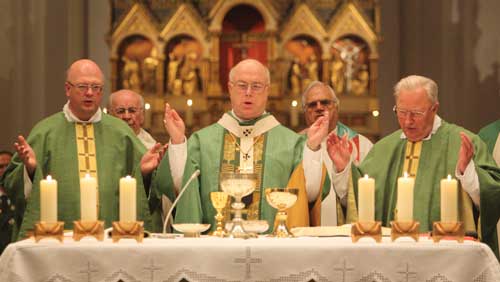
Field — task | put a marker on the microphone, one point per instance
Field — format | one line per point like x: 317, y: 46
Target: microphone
x: 169, y: 214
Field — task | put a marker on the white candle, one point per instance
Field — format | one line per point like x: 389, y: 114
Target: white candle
x: 366, y: 199
x: 405, y: 198
x: 189, y: 112
x: 88, y: 198
x: 127, y: 199
x: 48, y: 200
x: 294, y: 114
x: 449, y: 199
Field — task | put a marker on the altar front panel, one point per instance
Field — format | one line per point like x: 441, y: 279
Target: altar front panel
x: 263, y: 259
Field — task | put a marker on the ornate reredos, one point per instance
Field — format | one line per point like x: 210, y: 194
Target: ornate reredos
x: 303, y: 22
x: 324, y: 22
x: 222, y: 7
x: 186, y: 21
x: 350, y: 21
x: 138, y: 21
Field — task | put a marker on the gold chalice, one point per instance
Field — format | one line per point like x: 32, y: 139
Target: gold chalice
x: 238, y: 185
x: 281, y: 199
x: 219, y: 201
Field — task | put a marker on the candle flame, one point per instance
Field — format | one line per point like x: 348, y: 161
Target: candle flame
x: 87, y: 175
x: 294, y: 103
x: 189, y: 102
x: 366, y: 176
x: 49, y: 178
x: 405, y: 174
x: 449, y: 177
x: 128, y: 177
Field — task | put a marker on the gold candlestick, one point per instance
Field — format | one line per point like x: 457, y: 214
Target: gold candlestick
x: 452, y: 230
x: 372, y: 229
x: 88, y: 228
x: 49, y: 230
x: 405, y: 229
x: 219, y: 201
x: 128, y: 229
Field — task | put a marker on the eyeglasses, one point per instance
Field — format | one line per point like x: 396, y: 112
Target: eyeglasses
x: 83, y: 88
x: 325, y: 103
x: 131, y: 110
x: 255, y: 87
x: 403, y: 113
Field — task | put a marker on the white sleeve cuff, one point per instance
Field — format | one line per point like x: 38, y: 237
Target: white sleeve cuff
x: 177, y: 157
x: 311, y: 163
x: 470, y: 182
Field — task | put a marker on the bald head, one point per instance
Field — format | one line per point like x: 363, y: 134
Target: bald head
x: 129, y: 106
x: 248, y: 89
x: 84, y: 66
x: 84, y: 84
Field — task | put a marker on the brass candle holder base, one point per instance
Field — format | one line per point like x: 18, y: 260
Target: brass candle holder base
x: 88, y: 228
x: 405, y: 229
x: 128, y: 230
x: 371, y: 229
x: 49, y: 230
x: 450, y: 230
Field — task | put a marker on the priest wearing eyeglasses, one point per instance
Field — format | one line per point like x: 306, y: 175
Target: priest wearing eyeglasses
x: 80, y: 140
x: 328, y: 200
x: 428, y: 149
x: 246, y: 138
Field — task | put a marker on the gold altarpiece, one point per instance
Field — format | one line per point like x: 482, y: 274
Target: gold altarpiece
x: 180, y: 52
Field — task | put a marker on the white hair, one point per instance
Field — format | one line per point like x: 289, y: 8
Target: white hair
x: 116, y: 93
x: 317, y: 83
x: 414, y: 82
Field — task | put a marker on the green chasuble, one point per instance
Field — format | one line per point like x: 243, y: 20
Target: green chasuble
x: 491, y: 136
x: 118, y: 153
x: 281, y: 153
x: 438, y: 159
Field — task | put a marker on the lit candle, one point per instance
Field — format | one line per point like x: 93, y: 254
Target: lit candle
x: 127, y: 199
x: 366, y: 199
x: 189, y: 112
x: 88, y: 198
x: 48, y: 200
x: 147, y: 115
x: 449, y: 199
x: 405, y: 198
x: 294, y: 114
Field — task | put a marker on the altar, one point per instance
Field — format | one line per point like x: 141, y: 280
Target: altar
x: 261, y: 259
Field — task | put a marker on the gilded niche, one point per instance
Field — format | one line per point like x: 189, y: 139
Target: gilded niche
x: 181, y: 52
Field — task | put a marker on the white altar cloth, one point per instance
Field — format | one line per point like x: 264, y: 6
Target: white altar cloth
x: 262, y: 259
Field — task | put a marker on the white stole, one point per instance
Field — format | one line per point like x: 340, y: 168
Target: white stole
x: 247, y: 135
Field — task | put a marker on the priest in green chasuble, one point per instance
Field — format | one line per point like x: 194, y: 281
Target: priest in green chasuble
x: 245, y: 138
x: 80, y: 140
x: 428, y: 149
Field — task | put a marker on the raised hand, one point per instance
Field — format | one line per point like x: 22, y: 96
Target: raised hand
x: 317, y: 132
x: 174, y: 125
x: 338, y: 150
x: 26, y: 154
x: 465, y: 154
x: 152, y: 158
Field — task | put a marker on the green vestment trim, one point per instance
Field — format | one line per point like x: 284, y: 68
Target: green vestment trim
x: 118, y: 153
x: 438, y: 159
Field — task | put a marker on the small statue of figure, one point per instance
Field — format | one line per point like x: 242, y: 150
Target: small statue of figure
x: 131, y: 75
x: 360, y: 82
x: 189, y: 74
x: 296, y: 78
x: 149, y: 74
x: 337, y: 76
x: 311, y: 69
x: 172, y: 73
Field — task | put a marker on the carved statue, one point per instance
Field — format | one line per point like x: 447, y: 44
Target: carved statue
x: 189, y: 74
x: 173, y: 66
x: 337, y: 77
x: 296, y: 78
x: 360, y: 82
x: 131, y: 76
x: 311, y: 68
x: 149, y: 74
